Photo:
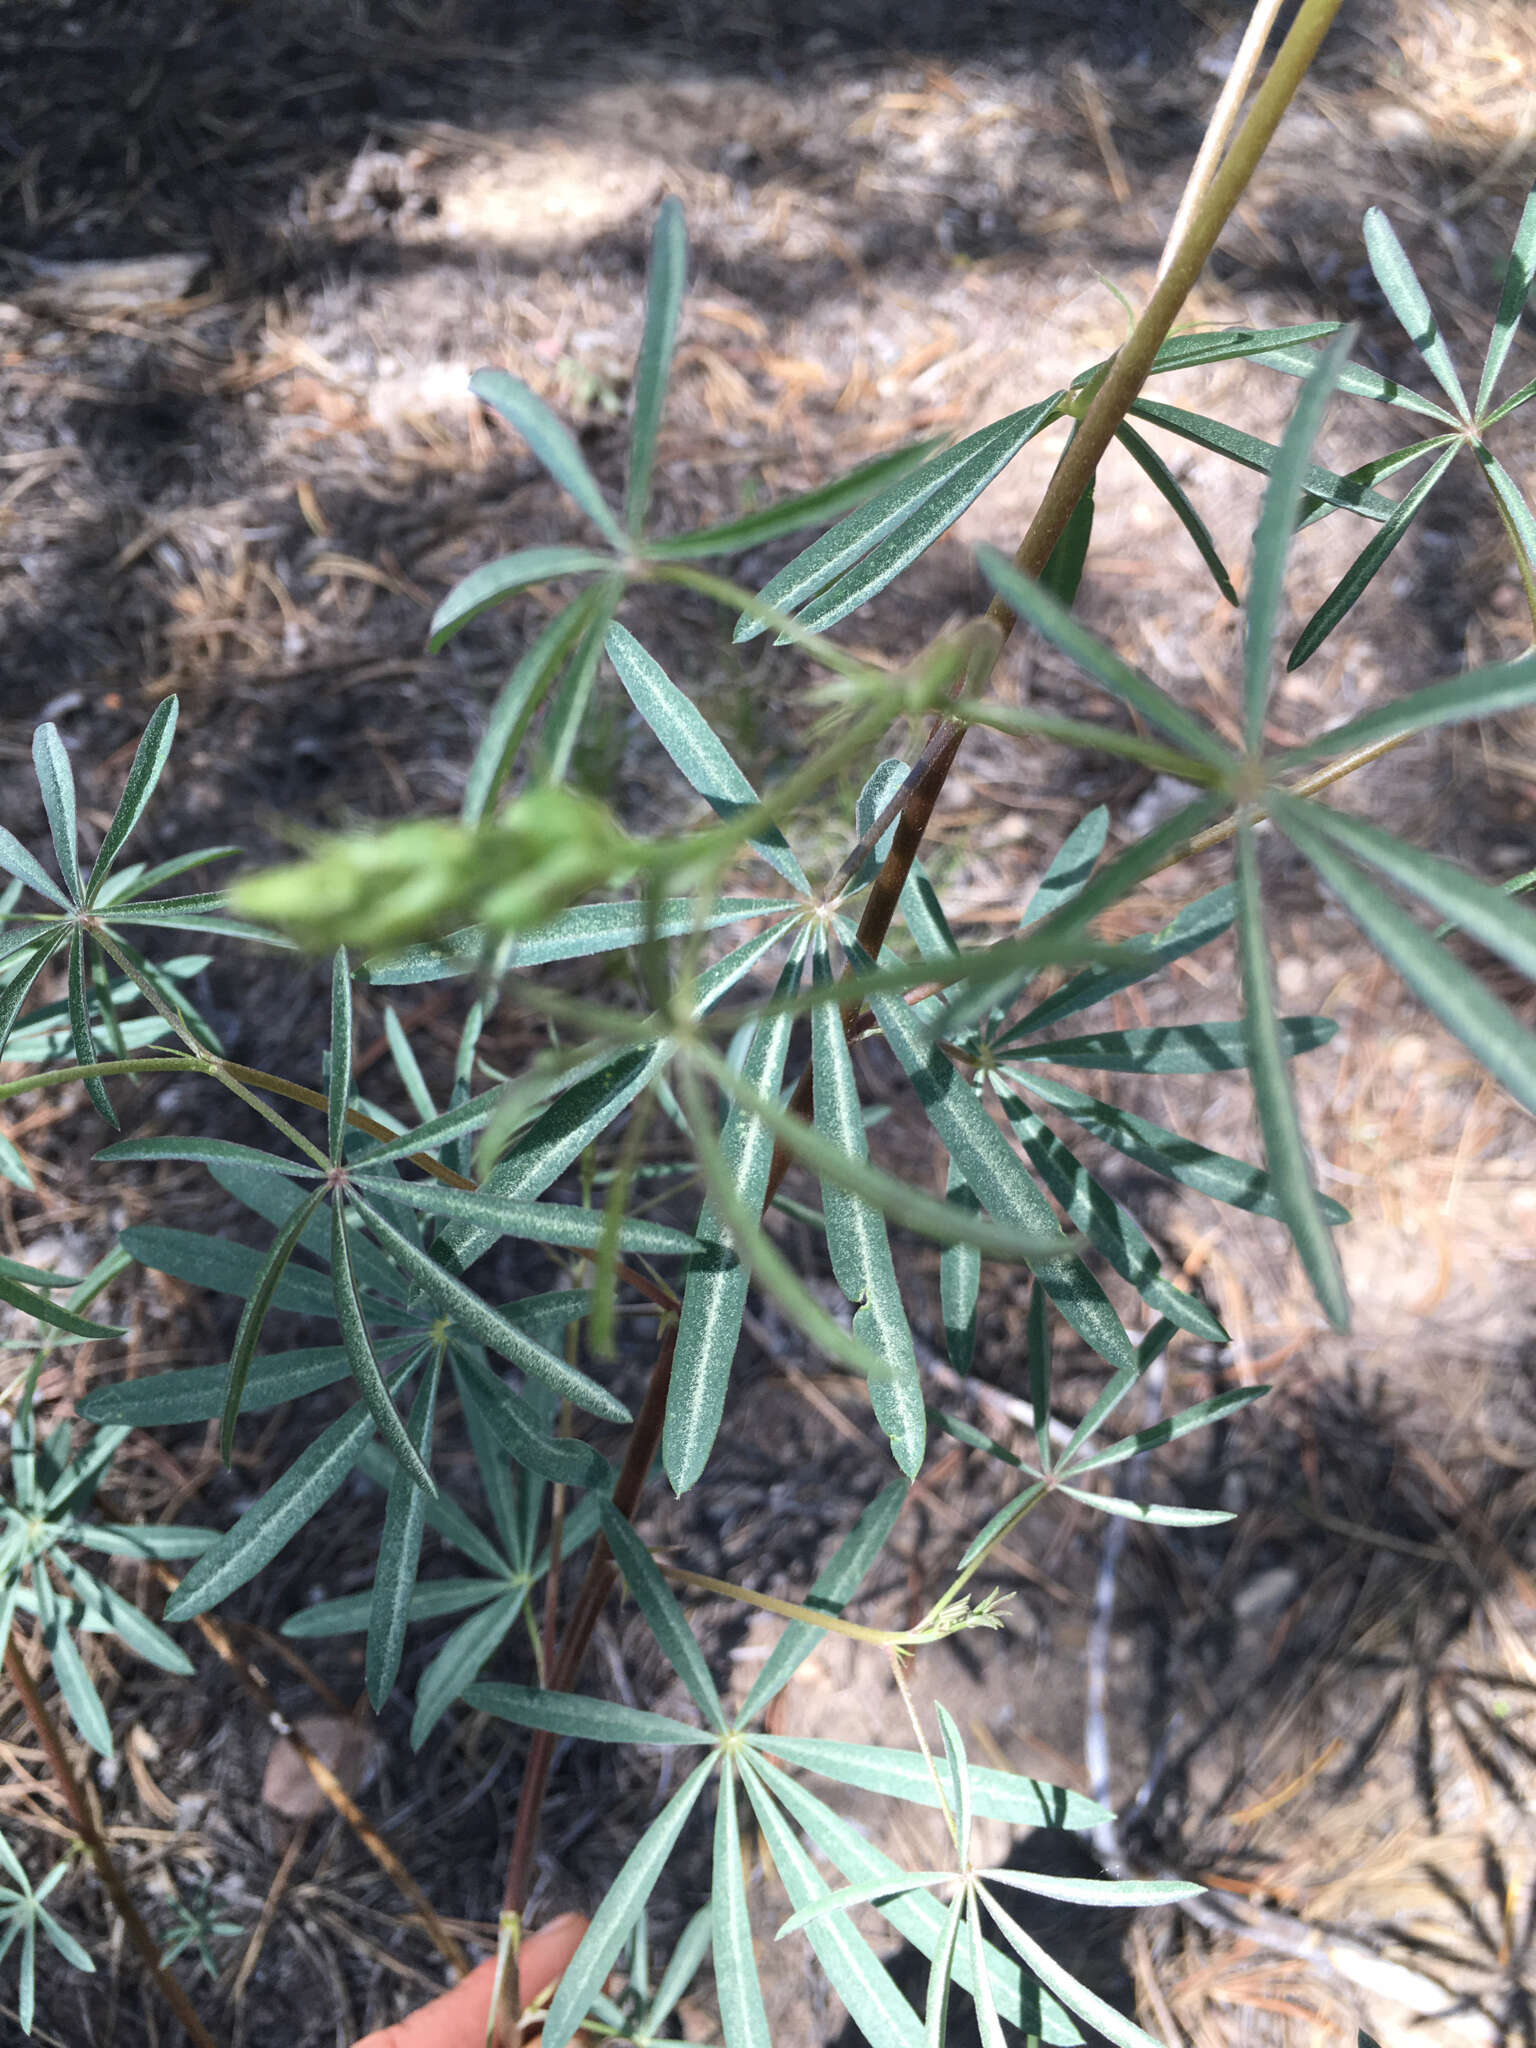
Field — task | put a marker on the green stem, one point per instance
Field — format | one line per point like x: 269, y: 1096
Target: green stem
x: 60, y: 1077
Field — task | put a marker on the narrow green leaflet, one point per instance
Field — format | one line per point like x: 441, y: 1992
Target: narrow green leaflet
x: 489, y: 1327
x: 1251, y: 453
x: 960, y: 1281
x: 15, y: 992
x: 936, y: 2016
x: 507, y: 727
x: 859, y: 1244
x: 1167, y: 485
x: 206, y: 1152
x: 492, y: 581
x: 1085, y: 2003
x: 876, y: 2007
x: 810, y: 508
x: 461, y: 1660
x: 278, y: 1516
x: 1369, y: 562
x: 575, y: 935
x: 1032, y: 601
x: 1068, y: 874
x: 56, y: 780
x: 904, y: 1774
x: 1279, y: 1120
x: 987, y: 2021
x: 1511, y: 499
x: 1497, y: 920
x: 1357, y: 382
x: 1178, y: 1158
x: 664, y: 297
x: 667, y: 1621
x: 1480, y: 693
x: 1062, y: 575
x: 1228, y: 344
x: 1109, y: 1227
x: 997, y: 1176
x: 1173, y: 1048
x: 1152, y: 1514
x: 1405, y: 295
x: 1272, y: 538
x: 16, y: 860
x: 69, y: 1672
x: 1518, y: 277
x: 715, y: 1295
x: 561, y: 1223
x: 573, y: 694
x: 1486, y: 1026
x: 960, y: 1783
x: 833, y: 1589
x: 584, y: 1719
x: 553, y: 444
x: 695, y: 749
x: 57, y: 1317
x: 939, y: 490
x: 400, y: 1546
x: 80, y: 1029
x: 743, y: 2016
x: 263, y: 1293
x: 516, y: 1425
x: 429, y: 1601
x: 149, y: 760
x: 101, y: 1609
x: 625, y: 1900
x: 339, y: 1088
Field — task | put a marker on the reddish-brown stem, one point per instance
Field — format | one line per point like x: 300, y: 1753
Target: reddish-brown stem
x: 644, y: 1442
x: 85, y: 1826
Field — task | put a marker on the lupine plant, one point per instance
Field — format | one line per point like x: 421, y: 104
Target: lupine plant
x: 722, y: 1051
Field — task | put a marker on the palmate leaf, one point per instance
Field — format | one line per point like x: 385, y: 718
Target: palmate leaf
x: 829, y: 579
x: 715, y: 1294
x: 858, y: 1242
x: 695, y: 749
x: 1294, y: 1193
x: 280, y: 1513
x: 915, y: 1915
x: 664, y: 298
x: 625, y: 1900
